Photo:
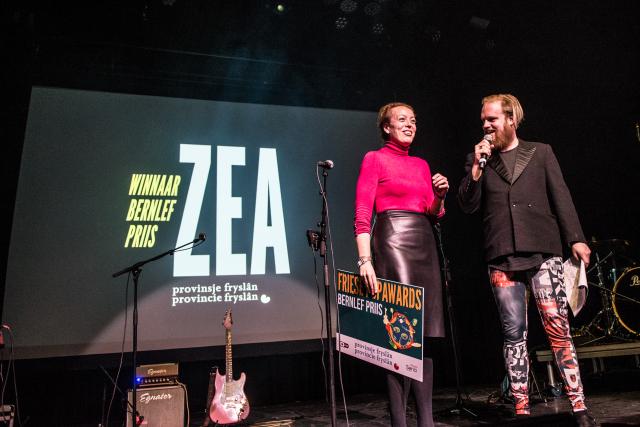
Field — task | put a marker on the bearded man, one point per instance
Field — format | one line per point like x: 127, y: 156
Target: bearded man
x: 529, y: 220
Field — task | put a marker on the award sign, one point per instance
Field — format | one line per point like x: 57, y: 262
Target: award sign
x: 383, y: 329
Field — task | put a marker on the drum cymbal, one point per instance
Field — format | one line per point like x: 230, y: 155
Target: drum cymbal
x: 611, y: 244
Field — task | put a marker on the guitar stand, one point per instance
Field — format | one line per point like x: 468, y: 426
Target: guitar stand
x: 210, y: 389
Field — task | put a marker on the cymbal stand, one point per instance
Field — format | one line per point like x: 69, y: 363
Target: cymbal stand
x: 604, y: 321
x: 605, y: 297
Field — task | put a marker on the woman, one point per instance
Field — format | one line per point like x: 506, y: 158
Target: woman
x: 406, y: 198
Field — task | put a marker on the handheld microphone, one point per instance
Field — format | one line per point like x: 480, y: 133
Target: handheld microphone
x: 483, y: 157
x: 326, y: 164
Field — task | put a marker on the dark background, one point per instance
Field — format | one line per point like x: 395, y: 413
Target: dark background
x: 574, y: 65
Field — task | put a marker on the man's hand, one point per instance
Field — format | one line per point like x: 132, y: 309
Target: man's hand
x: 582, y: 252
x: 482, y: 147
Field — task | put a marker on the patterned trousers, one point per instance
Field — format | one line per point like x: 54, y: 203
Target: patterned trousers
x: 511, y: 291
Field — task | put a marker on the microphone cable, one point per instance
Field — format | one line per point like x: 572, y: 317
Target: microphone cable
x: 330, y: 250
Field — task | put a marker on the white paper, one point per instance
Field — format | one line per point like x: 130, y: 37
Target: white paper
x: 575, y: 280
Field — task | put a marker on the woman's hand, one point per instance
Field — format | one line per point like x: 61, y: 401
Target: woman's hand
x: 368, y: 275
x: 440, y: 185
x: 365, y: 263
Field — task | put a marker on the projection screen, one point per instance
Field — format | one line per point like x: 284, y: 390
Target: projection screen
x: 109, y: 179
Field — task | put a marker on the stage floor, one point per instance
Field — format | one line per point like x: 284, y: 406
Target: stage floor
x: 613, y: 399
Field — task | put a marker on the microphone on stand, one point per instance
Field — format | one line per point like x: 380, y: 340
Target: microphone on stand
x: 201, y: 238
x: 483, y: 157
x: 326, y: 164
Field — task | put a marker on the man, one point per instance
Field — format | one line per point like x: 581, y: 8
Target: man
x: 528, y: 217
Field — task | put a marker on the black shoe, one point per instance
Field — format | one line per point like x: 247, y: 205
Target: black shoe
x: 584, y: 419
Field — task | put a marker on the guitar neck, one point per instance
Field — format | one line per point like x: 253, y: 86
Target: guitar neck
x: 229, y: 358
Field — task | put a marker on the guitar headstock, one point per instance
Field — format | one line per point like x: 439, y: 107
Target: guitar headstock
x: 227, y: 322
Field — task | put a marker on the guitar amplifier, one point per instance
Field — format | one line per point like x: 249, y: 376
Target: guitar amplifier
x: 160, y: 406
x: 155, y: 375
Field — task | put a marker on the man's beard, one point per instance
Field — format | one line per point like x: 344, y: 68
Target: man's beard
x: 501, y: 140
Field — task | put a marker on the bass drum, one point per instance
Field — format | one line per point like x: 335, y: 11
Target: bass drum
x: 627, y: 310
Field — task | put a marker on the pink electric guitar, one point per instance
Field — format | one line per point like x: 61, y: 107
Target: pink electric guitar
x: 229, y: 404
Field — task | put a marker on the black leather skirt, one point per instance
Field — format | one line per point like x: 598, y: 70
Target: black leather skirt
x: 404, y: 250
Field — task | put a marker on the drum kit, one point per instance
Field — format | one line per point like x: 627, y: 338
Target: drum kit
x: 616, y: 276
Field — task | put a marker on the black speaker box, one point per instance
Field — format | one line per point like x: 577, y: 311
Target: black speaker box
x: 160, y: 406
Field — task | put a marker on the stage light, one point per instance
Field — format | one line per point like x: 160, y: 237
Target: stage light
x: 277, y: 7
x: 377, y: 28
x: 372, y: 9
x: 433, y: 33
x: 341, y: 23
x: 479, y: 23
x: 409, y: 8
x: 348, y: 6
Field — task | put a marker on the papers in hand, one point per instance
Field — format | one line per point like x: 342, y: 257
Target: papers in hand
x: 575, y: 280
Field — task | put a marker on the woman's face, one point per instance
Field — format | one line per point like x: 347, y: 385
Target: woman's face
x: 402, y: 126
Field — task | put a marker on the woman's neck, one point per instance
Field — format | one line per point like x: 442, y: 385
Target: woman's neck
x: 397, y: 148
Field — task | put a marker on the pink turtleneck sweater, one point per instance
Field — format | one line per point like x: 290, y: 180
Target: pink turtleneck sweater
x: 391, y: 179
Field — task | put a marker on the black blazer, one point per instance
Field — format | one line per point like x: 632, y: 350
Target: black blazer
x: 531, y: 211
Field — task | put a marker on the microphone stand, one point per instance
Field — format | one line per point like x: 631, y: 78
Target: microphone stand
x: 135, y: 271
x: 319, y: 243
x: 458, y: 407
x: 122, y: 395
